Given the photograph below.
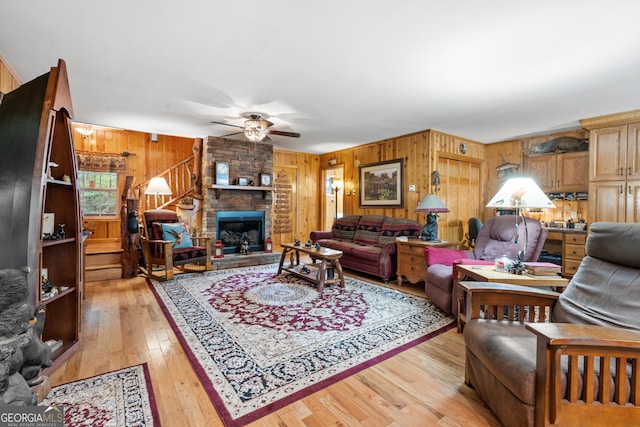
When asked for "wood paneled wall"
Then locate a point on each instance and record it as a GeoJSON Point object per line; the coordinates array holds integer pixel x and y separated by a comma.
{"type": "Point", "coordinates": [420, 151]}
{"type": "Point", "coordinates": [9, 79]}
{"type": "Point", "coordinates": [145, 159]}
{"type": "Point", "coordinates": [306, 192]}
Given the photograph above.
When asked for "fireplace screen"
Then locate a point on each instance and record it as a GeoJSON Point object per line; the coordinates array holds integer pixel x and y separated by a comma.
{"type": "Point", "coordinates": [235, 227]}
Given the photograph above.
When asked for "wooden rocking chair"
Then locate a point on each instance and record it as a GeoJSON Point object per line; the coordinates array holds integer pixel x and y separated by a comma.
{"type": "Point", "coordinates": [170, 246]}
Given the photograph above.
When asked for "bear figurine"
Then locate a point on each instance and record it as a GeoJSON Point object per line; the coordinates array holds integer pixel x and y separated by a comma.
{"type": "Point", "coordinates": [22, 353]}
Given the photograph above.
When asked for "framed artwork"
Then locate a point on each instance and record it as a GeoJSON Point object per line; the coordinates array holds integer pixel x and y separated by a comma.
{"type": "Point", "coordinates": [265, 180]}
{"type": "Point", "coordinates": [48, 220]}
{"type": "Point", "coordinates": [381, 184]}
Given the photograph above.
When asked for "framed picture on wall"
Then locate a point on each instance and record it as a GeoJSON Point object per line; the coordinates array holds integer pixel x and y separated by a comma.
{"type": "Point", "coordinates": [381, 184]}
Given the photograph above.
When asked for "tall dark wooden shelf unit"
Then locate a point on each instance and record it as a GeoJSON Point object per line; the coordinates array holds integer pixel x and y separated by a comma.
{"type": "Point", "coordinates": [35, 129]}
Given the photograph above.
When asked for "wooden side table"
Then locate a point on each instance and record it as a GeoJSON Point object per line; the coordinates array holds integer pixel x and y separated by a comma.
{"type": "Point", "coordinates": [411, 263]}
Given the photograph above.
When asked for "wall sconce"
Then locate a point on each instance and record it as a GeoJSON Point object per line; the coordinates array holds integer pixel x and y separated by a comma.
{"type": "Point", "coordinates": [85, 131]}
{"type": "Point", "coordinates": [435, 180]}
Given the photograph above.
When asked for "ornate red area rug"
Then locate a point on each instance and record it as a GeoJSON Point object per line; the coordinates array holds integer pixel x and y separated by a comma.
{"type": "Point", "coordinates": [259, 341]}
{"type": "Point", "coordinates": [120, 398]}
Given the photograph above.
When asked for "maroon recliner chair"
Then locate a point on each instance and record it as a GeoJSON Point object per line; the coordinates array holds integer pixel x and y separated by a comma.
{"type": "Point", "coordinates": [496, 238]}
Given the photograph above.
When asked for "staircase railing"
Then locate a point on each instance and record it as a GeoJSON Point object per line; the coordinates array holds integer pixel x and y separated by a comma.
{"type": "Point", "coordinates": [178, 177]}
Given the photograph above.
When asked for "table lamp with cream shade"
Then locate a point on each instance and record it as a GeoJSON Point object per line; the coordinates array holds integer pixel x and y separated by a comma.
{"type": "Point", "coordinates": [158, 186]}
{"type": "Point", "coordinates": [433, 206]}
{"type": "Point", "coordinates": [519, 194]}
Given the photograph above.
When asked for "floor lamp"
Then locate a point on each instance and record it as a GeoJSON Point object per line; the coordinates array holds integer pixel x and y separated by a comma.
{"type": "Point", "coordinates": [158, 186]}
{"type": "Point", "coordinates": [336, 186]}
{"type": "Point", "coordinates": [520, 194]}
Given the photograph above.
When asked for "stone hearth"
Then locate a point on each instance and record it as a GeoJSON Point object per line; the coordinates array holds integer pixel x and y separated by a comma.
{"type": "Point", "coordinates": [238, 260]}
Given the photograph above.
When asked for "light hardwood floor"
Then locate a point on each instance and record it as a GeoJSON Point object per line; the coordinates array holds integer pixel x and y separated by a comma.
{"type": "Point", "coordinates": [423, 386]}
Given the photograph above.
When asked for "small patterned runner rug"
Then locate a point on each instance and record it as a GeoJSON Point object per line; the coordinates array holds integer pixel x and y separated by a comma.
{"type": "Point", "coordinates": [122, 398]}
{"type": "Point", "coordinates": [259, 341]}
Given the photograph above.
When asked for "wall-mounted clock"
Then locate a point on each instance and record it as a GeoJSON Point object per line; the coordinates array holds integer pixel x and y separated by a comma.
{"type": "Point", "coordinates": [222, 173]}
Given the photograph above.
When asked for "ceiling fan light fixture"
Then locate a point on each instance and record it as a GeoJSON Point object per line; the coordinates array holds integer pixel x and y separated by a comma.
{"type": "Point", "coordinates": [255, 135]}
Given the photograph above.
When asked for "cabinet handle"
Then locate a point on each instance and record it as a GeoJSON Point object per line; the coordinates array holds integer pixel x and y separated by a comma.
{"type": "Point", "coordinates": [629, 173]}
{"type": "Point", "coordinates": [621, 189]}
{"type": "Point", "coordinates": [558, 186]}
{"type": "Point", "coordinates": [621, 171]}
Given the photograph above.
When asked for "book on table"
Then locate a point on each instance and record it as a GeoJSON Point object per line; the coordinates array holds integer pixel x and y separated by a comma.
{"type": "Point", "coordinates": [542, 268]}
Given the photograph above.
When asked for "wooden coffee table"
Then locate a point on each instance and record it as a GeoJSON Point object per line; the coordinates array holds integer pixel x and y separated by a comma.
{"type": "Point", "coordinates": [316, 274]}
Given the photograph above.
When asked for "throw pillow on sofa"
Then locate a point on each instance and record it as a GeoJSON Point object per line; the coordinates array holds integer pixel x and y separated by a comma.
{"type": "Point", "coordinates": [368, 229]}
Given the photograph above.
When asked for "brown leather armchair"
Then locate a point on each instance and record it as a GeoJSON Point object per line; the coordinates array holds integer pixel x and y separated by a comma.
{"type": "Point", "coordinates": [538, 358]}
{"type": "Point", "coordinates": [168, 246]}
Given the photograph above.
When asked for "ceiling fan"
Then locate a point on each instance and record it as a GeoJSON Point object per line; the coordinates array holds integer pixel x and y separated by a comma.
{"type": "Point", "coordinates": [257, 128]}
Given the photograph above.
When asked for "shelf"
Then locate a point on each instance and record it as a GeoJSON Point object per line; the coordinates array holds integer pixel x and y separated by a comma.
{"type": "Point", "coordinates": [53, 242]}
{"type": "Point", "coordinates": [59, 295]}
{"type": "Point", "coordinates": [59, 182]}
{"type": "Point", "coordinates": [218, 188]}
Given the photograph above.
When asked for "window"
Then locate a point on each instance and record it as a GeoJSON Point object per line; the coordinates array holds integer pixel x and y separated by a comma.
{"type": "Point", "coordinates": [98, 193]}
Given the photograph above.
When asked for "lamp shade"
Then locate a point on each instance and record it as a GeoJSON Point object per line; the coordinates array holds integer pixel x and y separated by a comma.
{"type": "Point", "coordinates": [158, 186]}
{"type": "Point", "coordinates": [336, 183]}
{"type": "Point", "coordinates": [431, 203]}
{"type": "Point", "coordinates": [520, 193]}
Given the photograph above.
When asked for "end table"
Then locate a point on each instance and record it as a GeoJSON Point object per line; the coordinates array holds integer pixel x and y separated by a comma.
{"type": "Point", "coordinates": [411, 263]}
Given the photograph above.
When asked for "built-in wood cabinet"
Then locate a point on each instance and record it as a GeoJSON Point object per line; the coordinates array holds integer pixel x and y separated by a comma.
{"type": "Point", "coordinates": [615, 152]}
{"type": "Point", "coordinates": [614, 168]}
{"type": "Point", "coordinates": [559, 172]}
{"type": "Point", "coordinates": [40, 177]}
{"type": "Point", "coordinates": [614, 201]}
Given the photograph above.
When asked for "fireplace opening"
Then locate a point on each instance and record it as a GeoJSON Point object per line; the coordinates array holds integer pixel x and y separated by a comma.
{"type": "Point", "coordinates": [234, 227]}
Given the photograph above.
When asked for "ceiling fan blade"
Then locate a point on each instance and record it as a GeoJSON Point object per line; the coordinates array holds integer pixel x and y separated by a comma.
{"type": "Point", "coordinates": [231, 134]}
{"type": "Point", "coordinates": [227, 124]}
{"type": "Point", "coordinates": [283, 133]}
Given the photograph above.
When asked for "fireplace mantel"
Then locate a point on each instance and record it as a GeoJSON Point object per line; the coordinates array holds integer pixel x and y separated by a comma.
{"type": "Point", "coordinates": [218, 188]}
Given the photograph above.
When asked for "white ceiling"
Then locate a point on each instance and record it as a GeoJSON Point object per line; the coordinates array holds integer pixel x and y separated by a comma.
{"type": "Point", "coordinates": [341, 73]}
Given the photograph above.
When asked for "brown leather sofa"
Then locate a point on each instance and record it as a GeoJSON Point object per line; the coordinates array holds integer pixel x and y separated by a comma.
{"type": "Point", "coordinates": [368, 242]}
{"type": "Point", "coordinates": [578, 365]}
{"type": "Point", "coordinates": [496, 238]}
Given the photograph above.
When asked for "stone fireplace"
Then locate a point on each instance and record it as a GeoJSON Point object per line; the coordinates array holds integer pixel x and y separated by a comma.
{"type": "Point", "coordinates": [246, 160]}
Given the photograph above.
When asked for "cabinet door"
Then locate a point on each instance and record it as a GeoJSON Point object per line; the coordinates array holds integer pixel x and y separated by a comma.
{"type": "Point", "coordinates": [607, 200]}
{"type": "Point", "coordinates": [633, 201]}
{"type": "Point", "coordinates": [543, 171]}
{"type": "Point", "coordinates": [608, 148]}
{"type": "Point", "coordinates": [572, 171]}
{"type": "Point", "coordinates": [633, 151]}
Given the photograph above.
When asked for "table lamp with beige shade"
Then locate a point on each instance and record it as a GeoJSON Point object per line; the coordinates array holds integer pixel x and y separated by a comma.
{"type": "Point", "coordinates": [519, 194]}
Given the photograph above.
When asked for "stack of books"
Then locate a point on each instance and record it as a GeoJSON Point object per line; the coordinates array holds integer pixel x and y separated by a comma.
{"type": "Point", "coordinates": [542, 269]}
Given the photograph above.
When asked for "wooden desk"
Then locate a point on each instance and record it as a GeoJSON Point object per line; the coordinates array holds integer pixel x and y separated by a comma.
{"type": "Point", "coordinates": [488, 273]}
{"type": "Point", "coordinates": [411, 262]}
{"type": "Point", "coordinates": [317, 275]}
